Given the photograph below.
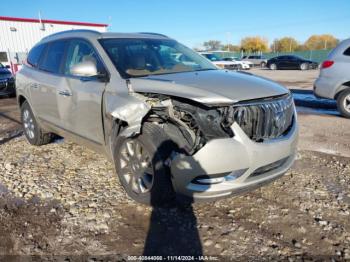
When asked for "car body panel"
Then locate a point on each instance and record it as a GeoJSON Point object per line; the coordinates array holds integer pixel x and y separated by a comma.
{"type": "Point", "coordinates": [96, 113]}
{"type": "Point", "coordinates": [239, 158]}
{"type": "Point", "coordinates": [210, 87]}
{"type": "Point", "coordinates": [255, 59]}
{"type": "Point", "coordinates": [334, 79]}
{"type": "Point", "coordinates": [7, 82]}
{"type": "Point", "coordinates": [290, 62]}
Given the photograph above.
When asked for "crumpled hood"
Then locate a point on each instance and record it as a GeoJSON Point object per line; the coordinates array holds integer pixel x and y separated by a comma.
{"type": "Point", "coordinates": [209, 87]}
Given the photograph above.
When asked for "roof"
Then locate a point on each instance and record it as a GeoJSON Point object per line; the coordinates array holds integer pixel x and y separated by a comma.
{"type": "Point", "coordinates": [92, 34]}
{"type": "Point", "coordinates": [46, 21]}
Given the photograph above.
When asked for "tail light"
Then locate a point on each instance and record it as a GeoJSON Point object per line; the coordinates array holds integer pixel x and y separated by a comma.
{"type": "Point", "coordinates": [327, 64]}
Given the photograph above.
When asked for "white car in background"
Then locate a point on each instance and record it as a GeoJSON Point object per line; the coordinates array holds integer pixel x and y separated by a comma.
{"type": "Point", "coordinates": [246, 65]}
{"type": "Point", "coordinates": [219, 62]}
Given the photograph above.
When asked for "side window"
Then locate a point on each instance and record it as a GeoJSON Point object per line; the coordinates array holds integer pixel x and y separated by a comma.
{"type": "Point", "coordinates": [347, 52]}
{"type": "Point", "coordinates": [35, 54]}
{"type": "Point", "coordinates": [52, 60]}
{"type": "Point", "coordinates": [80, 51]}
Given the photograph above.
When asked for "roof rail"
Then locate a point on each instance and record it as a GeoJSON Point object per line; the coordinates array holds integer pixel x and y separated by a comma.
{"type": "Point", "coordinates": [150, 33]}
{"type": "Point", "coordinates": [73, 30]}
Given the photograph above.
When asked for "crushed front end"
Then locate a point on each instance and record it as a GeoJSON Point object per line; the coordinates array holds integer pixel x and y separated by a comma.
{"type": "Point", "coordinates": [247, 145]}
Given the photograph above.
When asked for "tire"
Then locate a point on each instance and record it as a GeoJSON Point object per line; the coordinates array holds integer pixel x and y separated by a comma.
{"type": "Point", "coordinates": [304, 66]}
{"type": "Point", "coordinates": [239, 67]}
{"type": "Point", "coordinates": [154, 148]}
{"type": "Point", "coordinates": [34, 133]}
{"type": "Point", "coordinates": [273, 66]}
{"type": "Point", "coordinates": [263, 64]}
{"type": "Point", "coordinates": [343, 103]}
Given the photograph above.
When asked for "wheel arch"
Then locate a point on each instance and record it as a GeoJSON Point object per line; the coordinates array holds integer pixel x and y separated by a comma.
{"type": "Point", "coordinates": [21, 99]}
{"type": "Point", "coordinates": [341, 88]}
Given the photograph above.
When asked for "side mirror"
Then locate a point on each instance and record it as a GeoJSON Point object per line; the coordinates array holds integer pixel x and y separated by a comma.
{"type": "Point", "coordinates": [8, 67]}
{"type": "Point", "coordinates": [84, 69]}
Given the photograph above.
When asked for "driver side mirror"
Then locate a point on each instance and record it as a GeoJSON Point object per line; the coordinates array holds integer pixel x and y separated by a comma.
{"type": "Point", "coordinates": [84, 69]}
{"type": "Point", "coordinates": [87, 69]}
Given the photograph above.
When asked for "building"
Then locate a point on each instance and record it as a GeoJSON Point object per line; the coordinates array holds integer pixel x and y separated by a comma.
{"type": "Point", "coordinates": [19, 35]}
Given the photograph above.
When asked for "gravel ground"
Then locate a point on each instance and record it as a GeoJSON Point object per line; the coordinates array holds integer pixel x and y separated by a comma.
{"type": "Point", "coordinates": [63, 202]}
{"type": "Point", "coordinates": [64, 199]}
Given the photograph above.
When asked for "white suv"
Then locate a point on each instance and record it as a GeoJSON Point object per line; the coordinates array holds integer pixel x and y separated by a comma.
{"type": "Point", "coordinates": [334, 79]}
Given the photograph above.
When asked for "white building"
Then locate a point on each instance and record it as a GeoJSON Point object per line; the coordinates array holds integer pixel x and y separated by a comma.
{"type": "Point", "coordinates": [18, 35]}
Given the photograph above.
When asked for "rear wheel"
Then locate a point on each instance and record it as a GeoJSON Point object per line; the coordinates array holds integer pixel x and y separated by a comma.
{"type": "Point", "coordinates": [273, 66]}
{"type": "Point", "coordinates": [263, 64]}
{"type": "Point", "coordinates": [141, 166]}
{"type": "Point", "coordinates": [343, 102]}
{"type": "Point", "coordinates": [33, 132]}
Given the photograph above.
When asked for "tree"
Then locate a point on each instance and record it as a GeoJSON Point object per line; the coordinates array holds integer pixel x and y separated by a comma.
{"type": "Point", "coordinates": [284, 44]}
{"type": "Point", "coordinates": [230, 47]}
{"type": "Point", "coordinates": [212, 45]}
{"type": "Point", "coordinates": [254, 44]}
{"type": "Point", "coordinates": [317, 42]}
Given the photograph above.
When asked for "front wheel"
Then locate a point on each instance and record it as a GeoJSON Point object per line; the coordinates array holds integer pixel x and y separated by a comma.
{"type": "Point", "coordinates": [33, 132]}
{"type": "Point", "coordinates": [263, 64]}
{"type": "Point", "coordinates": [140, 164]}
{"type": "Point", "coordinates": [304, 66]}
{"type": "Point", "coordinates": [273, 66]}
{"type": "Point", "coordinates": [343, 102]}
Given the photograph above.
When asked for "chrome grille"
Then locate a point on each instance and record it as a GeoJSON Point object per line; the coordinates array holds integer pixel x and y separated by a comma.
{"type": "Point", "coordinates": [265, 119]}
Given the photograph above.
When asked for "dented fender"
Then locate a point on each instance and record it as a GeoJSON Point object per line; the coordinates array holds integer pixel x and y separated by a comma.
{"type": "Point", "coordinates": [129, 108]}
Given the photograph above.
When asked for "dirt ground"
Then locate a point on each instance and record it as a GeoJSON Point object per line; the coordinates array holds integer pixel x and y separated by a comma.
{"type": "Point", "coordinates": [63, 202]}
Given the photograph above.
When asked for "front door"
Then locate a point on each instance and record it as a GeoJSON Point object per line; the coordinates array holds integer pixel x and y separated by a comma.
{"type": "Point", "coordinates": [80, 100]}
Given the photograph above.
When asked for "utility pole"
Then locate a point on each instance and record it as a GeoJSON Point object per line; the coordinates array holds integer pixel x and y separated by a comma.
{"type": "Point", "coordinates": [228, 36]}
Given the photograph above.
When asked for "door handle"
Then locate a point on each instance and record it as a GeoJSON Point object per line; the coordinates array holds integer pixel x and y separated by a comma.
{"type": "Point", "coordinates": [34, 85]}
{"type": "Point", "coordinates": [64, 93]}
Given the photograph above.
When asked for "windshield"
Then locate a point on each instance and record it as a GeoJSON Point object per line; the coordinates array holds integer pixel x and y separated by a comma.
{"type": "Point", "coordinates": [144, 57]}
{"type": "Point", "coordinates": [212, 57]}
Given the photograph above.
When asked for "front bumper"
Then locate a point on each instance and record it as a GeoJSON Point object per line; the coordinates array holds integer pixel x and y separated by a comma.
{"type": "Point", "coordinates": [241, 164]}
{"type": "Point", "coordinates": [324, 87]}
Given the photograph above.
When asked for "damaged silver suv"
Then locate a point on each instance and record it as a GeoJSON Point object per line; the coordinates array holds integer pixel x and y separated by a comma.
{"type": "Point", "coordinates": [171, 121]}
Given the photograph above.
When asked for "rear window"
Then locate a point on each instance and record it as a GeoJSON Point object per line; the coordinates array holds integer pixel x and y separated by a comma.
{"type": "Point", "coordinates": [52, 60]}
{"type": "Point", "coordinates": [35, 54]}
{"type": "Point", "coordinates": [347, 52]}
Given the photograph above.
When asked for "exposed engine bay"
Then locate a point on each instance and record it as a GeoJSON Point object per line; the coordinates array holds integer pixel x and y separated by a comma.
{"type": "Point", "coordinates": [188, 123]}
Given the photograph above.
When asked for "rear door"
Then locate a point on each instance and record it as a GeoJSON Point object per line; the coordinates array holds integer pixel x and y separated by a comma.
{"type": "Point", "coordinates": [46, 80]}
{"type": "Point", "coordinates": [282, 62]}
{"type": "Point", "coordinates": [294, 62]}
{"type": "Point", "coordinates": [80, 99]}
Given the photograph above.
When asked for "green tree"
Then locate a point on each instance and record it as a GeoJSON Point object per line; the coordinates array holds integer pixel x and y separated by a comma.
{"type": "Point", "coordinates": [254, 44]}
{"type": "Point", "coordinates": [212, 45]}
{"type": "Point", "coordinates": [284, 44]}
{"type": "Point", "coordinates": [318, 42]}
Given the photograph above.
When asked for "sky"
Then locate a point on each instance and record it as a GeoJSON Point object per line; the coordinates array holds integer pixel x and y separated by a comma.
{"type": "Point", "coordinates": [192, 22]}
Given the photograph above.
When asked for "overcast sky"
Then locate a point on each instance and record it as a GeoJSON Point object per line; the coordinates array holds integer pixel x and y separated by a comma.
{"type": "Point", "coordinates": [192, 22]}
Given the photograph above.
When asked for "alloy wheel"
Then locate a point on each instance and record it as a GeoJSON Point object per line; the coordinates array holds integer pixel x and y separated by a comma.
{"type": "Point", "coordinates": [346, 103]}
{"type": "Point", "coordinates": [136, 166]}
{"type": "Point", "coordinates": [28, 123]}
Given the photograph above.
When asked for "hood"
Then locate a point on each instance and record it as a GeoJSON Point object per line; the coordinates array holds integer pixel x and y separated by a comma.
{"type": "Point", "coordinates": [210, 87]}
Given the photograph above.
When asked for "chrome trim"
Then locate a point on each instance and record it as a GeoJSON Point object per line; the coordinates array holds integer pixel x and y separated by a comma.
{"type": "Point", "coordinates": [265, 119]}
